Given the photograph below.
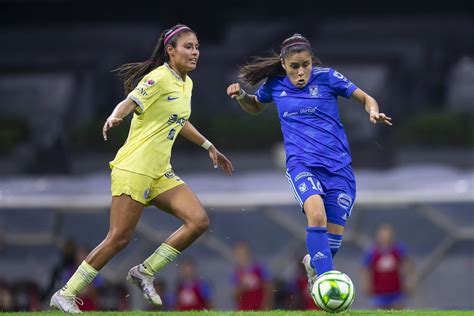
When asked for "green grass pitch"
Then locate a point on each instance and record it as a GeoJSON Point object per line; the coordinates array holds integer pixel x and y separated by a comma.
{"type": "Point", "coordinates": [270, 313]}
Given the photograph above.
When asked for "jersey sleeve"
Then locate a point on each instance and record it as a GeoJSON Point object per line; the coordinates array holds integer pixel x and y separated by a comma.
{"type": "Point", "coordinates": [145, 93]}
{"type": "Point", "coordinates": [340, 84]}
{"type": "Point", "coordinates": [264, 93]}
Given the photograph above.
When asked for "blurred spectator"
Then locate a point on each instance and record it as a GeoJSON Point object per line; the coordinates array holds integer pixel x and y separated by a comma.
{"type": "Point", "coordinates": [68, 262]}
{"type": "Point", "coordinates": [26, 295]}
{"type": "Point", "coordinates": [251, 281]}
{"type": "Point", "coordinates": [7, 303]}
{"type": "Point", "coordinates": [192, 292]}
{"type": "Point", "coordinates": [302, 297]}
{"type": "Point", "coordinates": [114, 297]}
{"type": "Point", "coordinates": [283, 295]}
{"type": "Point", "coordinates": [386, 269]}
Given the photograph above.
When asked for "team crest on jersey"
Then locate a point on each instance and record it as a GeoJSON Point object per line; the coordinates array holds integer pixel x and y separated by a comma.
{"type": "Point", "coordinates": [146, 193]}
{"type": "Point", "coordinates": [303, 187]}
{"type": "Point", "coordinates": [344, 200]}
{"type": "Point", "coordinates": [314, 91]}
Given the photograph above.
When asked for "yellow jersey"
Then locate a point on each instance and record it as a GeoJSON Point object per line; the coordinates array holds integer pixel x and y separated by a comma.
{"type": "Point", "coordinates": [163, 106]}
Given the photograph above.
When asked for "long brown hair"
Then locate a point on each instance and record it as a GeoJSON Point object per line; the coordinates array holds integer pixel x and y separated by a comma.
{"type": "Point", "coordinates": [265, 67]}
{"type": "Point", "coordinates": [132, 73]}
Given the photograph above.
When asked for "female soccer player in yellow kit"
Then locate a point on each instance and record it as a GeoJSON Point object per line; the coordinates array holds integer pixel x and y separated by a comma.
{"type": "Point", "coordinates": [159, 92]}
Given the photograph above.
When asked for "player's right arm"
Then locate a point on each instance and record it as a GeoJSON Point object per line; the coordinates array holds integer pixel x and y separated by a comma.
{"type": "Point", "coordinates": [248, 102]}
{"type": "Point", "coordinates": [121, 110]}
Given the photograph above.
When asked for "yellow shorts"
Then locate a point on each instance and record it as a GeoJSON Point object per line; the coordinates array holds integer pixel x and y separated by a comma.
{"type": "Point", "coordinates": [139, 187]}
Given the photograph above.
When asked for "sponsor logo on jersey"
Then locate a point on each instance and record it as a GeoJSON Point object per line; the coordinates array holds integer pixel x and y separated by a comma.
{"type": "Point", "coordinates": [172, 119]}
{"type": "Point", "coordinates": [149, 82]}
{"type": "Point", "coordinates": [303, 187]}
{"type": "Point", "coordinates": [285, 114]}
{"type": "Point", "coordinates": [175, 119]}
{"type": "Point", "coordinates": [314, 91]}
{"type": "Point", "coordinates": [169, 174]}
{"type": "Point", "coordinates": [171, 134]}
{"type": "Point", "coordinates": [303, 174]}
{"type": "Point", "coordinates": [141, 91]}
{"type": "Point", "coordinates": [283, 94]}
{"type": "Point", "coordinates": [308, 110]}
{"type": "Point", "coordinates": [170, 98]}
{"type": "Point", "coordinates": [344, 200]}
{"type": "Point", "coordinates": [181, 121]}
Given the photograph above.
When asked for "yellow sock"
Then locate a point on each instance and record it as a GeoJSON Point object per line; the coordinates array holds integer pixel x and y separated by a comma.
{"type": "Point", "coordinates": [82, 277]}
{"type": "Point", "coordinates": [159, 259]}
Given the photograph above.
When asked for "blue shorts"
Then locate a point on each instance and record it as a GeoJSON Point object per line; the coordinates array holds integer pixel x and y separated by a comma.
{"type": "Point", "coordinates": [337, 189]}
{"type": "Point", "coordinates": [387, 300]}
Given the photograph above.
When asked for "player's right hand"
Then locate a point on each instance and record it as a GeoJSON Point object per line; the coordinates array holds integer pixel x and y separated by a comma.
{"type": "Point", "coordinates": [111, 122]}
{"type": "Point", "coordinates": [234, 90]}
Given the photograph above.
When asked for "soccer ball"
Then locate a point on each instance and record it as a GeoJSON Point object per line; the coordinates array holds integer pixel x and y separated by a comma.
{"type": "Point", "coordinates": [333, 291]}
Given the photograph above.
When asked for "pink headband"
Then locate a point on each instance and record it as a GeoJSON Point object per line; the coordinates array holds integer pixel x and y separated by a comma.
{"type": "Point", "coordinates": [179, 29]}
{"type": "Point", "coordinates": [293, 44]}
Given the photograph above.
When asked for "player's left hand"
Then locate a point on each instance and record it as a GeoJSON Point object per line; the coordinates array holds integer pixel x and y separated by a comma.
{"type": "Point", "coordinates": [376, 117]}
{"type": "Point", "coordinates": [218, 159]}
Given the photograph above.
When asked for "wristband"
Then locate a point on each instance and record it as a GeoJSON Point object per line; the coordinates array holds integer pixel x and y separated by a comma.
{"type": "Point", "coordinates": [206, 145]}
{"type": "Point", "coordinates": [241, 94]}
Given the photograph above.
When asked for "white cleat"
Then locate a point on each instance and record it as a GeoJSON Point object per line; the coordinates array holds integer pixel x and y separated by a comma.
{"type": "Point", "coordinates": [145, 283]}
{"type": "Point", "coordinates": [310, 272]}
{"type": "Point", "coordinates": [66, 304]}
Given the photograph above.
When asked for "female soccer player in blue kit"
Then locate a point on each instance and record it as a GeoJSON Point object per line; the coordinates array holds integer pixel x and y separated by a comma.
{"type": "Point", "coordinates": [317, 152]}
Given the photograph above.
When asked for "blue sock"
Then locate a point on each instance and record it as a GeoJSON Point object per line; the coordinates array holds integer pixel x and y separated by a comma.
{"type": "Point", "coordinates": [335, 242]}
{"type": "Point", "coordinates": [318, 248]}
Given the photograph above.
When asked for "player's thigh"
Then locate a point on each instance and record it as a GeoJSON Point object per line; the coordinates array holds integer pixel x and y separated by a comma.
{"type": "Point", "coordinates": [129, 192]}
{"type": "Point", "coordinates": [309, 193]}
{"type": "Point", "coordinates": [181, 202]}
{"type": "Point", "coordinates": [125, 213]}
{"type": "Point", "coordinates": [135, 185]}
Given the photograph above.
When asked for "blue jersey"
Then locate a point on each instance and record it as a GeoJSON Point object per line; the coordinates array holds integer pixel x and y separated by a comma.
{"type": "Point", "coordinates": [312, 130]}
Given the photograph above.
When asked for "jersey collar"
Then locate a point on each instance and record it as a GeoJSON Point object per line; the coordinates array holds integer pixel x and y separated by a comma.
{"type": "Point", "coordinates": [174, 72]}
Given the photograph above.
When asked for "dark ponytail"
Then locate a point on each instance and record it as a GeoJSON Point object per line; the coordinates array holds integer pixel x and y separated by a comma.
{"type": "Point", "coordinates": [266, 67]}
{"type": "Point", "coordinates": [132, 73]}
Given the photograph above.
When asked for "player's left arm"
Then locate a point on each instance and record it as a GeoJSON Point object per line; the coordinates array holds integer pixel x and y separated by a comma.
{"type": "Point", "coordinates": [218, 159]}
{"type": "Point", "coordinates": [371, 106]}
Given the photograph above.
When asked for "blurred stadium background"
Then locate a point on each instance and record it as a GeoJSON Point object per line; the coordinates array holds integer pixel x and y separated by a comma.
{"type": "Point", "coordinates": [56, 89]}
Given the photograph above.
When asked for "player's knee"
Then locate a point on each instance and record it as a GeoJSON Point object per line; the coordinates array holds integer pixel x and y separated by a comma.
{"type": "Point", "coordinates": [317, 219]}
{"type": "Point", "coordinates": [203, 223]}
{"type": "Point", "coordinates": [200, 223]}
{"type": "Point", "coordinates": [119, 241]}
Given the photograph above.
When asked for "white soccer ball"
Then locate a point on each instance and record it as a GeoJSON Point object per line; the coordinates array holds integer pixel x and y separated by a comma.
{"type": "Point", "coordinates": [333, 291]}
